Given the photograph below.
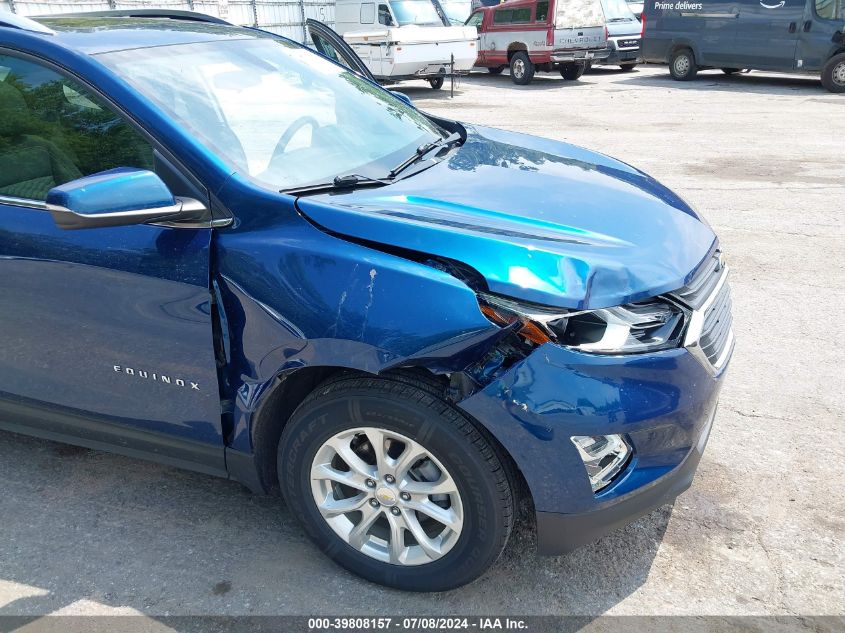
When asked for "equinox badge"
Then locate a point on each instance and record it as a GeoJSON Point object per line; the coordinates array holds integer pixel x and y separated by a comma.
{"type": "Point", "coordinates": [148, 375]}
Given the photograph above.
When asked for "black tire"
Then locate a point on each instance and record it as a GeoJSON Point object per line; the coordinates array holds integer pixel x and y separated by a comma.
{"type": "Point", "coordinates": [627, 67]}
{"type": "Point", "coordinates": [497, 70]}
{"type": "Point", "coordinates": [437, 83]}
{"type": "Point", "coordinates": [682, 65]}
{"type": "Point", "coordinates": [731, 71]}
{"type": "Point", "coordinates": [414, 409]}
{"type": "Point", "coordinates": [833, 73]}
{"type": "Point", "coordinates": [572, 71]}
{"type": "Point", "coordinates": [522, 69]}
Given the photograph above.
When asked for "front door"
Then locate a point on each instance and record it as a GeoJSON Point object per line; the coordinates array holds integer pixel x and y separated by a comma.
{"type": "Point", "coordinates": [330, 44]}
{"type": "Point", "coordinates": [822, 33]}
{"type": "Point", "coordinates": [767, 33]}
{"type": "Point", "coordinates": [107, 333]}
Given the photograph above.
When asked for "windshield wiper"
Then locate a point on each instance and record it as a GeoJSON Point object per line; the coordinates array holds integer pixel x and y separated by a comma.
{"type": "Point", "coordinates": [339, 183]}
{"type": "Point", "coordinates": [423, 150]}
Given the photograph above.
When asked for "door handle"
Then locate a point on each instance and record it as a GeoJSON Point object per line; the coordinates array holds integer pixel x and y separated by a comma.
{"type": "Point", "coordinates": [808, 25]}
{"type": "Point", "coordinates": [792, 27]}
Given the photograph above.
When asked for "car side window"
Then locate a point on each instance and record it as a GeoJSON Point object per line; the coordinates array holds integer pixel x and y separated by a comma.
{"type": "Point", "coordinates": [503, 16]}
{"type": "Point", "coordinates": [542, 12]}
{"type": "Point", "coordinates": [384, 16]}
{"type": "Point", "coordinates": [475, 19]}
{"type": "Point", "coordinates": [521, 16]}
{"type": "Point", "coordinates": [830, 9]}
{"type": "Point", "coordinates": [52, 131]}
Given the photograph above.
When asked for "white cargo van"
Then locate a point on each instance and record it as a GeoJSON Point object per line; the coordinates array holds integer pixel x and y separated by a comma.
{"type": "Point", "coordinates": [405, 39]}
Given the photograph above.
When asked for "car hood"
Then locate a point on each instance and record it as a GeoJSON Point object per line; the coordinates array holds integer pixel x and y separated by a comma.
{"type": "Point", "coordinates": [540, 220]}
{"type": "Point", "coordinates": [621, 29]}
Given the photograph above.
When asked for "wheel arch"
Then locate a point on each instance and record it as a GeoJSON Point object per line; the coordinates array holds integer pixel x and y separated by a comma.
{"type": "Point", "coordinates": [678, 44]}
{"type": "Point", "coordinates": [278, 403]}
{"type": "Point", "coordinates": [515, 47]}
{"type": "Point", "coordinates": [291, 388]}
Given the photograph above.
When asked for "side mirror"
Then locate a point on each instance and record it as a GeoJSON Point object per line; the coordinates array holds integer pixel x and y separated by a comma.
{"type": "Point", "coordinates": [402, 97]}
{"type": "Point", "coordinates": [119, 197]}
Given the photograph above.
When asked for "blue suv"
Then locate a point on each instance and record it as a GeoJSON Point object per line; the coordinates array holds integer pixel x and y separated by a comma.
{"type": "Point", "coordinates": [225, 252]}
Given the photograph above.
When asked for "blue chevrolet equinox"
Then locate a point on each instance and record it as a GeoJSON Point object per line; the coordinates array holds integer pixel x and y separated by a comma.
{"type": "Point", "coordinates": [225, 252]}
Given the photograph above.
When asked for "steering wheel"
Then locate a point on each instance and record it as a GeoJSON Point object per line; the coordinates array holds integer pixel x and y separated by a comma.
{"type": "Point", "coordinates": [293, 128]}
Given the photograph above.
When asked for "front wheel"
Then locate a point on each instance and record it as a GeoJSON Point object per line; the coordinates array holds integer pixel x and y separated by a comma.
{"type": "Point", "coordinates": [522, 69]}
{"type": "Point", "coordinates": [572, 71]}
{"type": "Point", "coordinates": [682, 65]}
{"type": "Point", "coordinates": [833, 73]}
{"type": "Point", "coordinates": [436, 83]}
{"type": "Point", "coordinates": [395, 484]}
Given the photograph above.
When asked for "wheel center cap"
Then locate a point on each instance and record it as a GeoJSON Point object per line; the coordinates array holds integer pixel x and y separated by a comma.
{"type": "Point", "coordinates": [386, 497]}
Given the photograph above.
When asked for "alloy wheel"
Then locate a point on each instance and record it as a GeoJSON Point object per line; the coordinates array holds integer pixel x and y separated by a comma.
{"type": "Point", "coordinates": [519, 69]}
{"type": "Point", "coordinates": [386, 496]}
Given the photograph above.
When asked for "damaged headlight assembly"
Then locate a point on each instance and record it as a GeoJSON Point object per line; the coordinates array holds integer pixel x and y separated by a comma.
{"type": "Point", "coordinates": [640, 327]}
{"type": "Point", "coordinates": [646, 326]}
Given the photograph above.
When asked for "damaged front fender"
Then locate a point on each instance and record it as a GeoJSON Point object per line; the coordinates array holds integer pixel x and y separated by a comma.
{"type": "Point", "coordinates": [296, 297]}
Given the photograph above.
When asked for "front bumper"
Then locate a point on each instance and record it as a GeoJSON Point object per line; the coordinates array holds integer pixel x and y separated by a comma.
{"type": "Point", "coordinates": [663, 403]}
{"type": "Point", "coordinates": [618, 57]}
{"type": "Point", "coordinates": [561, 533]}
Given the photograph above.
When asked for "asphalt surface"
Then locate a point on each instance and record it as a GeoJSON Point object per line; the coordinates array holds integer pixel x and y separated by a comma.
{"type": "Point", "coordinates": [760, 532]}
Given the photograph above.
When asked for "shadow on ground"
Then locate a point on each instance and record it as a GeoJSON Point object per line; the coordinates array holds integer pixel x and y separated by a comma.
{"type": "Point", "coordinates": [83, 530]}
{"type": "Point", "coordinates": [709, 80]}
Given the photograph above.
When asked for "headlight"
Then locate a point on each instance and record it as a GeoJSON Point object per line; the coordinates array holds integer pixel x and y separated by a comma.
{"type": "Point", "coordinates": [636, 327]}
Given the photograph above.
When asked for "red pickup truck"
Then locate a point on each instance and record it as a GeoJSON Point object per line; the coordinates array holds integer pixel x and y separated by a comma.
{"type": "Point", "coordinates": [546, 35]}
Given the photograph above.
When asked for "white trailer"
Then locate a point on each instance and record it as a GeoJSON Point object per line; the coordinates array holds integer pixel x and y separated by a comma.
{"type": "Point", "coordinates": [405, 39]}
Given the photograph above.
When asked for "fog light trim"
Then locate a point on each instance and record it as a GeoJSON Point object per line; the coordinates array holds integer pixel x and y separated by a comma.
{"type": "Point", "coordinates": [604, 457]}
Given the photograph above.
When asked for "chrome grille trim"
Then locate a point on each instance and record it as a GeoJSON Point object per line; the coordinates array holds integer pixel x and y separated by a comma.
{"type": "Point", "coordinates": [709, 332]}
{"type": "Point", "coordinates": [702, 285]}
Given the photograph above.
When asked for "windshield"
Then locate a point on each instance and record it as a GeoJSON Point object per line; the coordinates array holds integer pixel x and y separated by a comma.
{"type": "Point", "coordinates": [457, 10]}
{"type": "Point", "coordinates": [280, 113]}
{"type": "Point", "coordinates": [420, 12]}
{"type": "Point", "coordinates": [618, 10]}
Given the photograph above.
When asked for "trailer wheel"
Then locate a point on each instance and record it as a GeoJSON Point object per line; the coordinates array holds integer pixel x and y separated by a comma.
{"type": "Point", "coordinates": [436, 83]}
{"type": "Point", "coordinates": [833, 73]}
{"type": "Point", "coordinates": [682, 65]}
{"type": "Point", "coordinates": [496, 70]}
{"type": "Point", "coordinates": [522, 69]}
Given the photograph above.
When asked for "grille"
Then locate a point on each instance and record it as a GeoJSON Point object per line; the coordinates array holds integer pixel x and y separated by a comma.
{"type": "Point", "coordinates": [716, 332]}
{"type": "Point", "coordinates": [697, 291]}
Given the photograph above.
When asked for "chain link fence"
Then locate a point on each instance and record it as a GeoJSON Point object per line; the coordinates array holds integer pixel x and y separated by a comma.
{"type": "Point", "coordinates": [284, 17]}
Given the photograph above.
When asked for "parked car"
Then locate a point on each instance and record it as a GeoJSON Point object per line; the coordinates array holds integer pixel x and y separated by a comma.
{"type": "Point", "coordinates": [545, 35]}
{"type": "Point", "coordinates": [624, 35]}
{"type": "Point", "coordinates": [222, 251]}
{"type": "Point", "coordinates": [806, 36]}
{"type": "Point", "coordinates": [405, 39]}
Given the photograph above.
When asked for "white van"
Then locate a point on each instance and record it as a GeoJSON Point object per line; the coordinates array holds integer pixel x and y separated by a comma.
{"type": "Point", "coordinates": [405, 39]}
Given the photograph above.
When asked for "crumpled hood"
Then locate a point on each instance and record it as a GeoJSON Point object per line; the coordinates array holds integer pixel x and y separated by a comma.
{"type": "Point", "coordinates": [540, 220]}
